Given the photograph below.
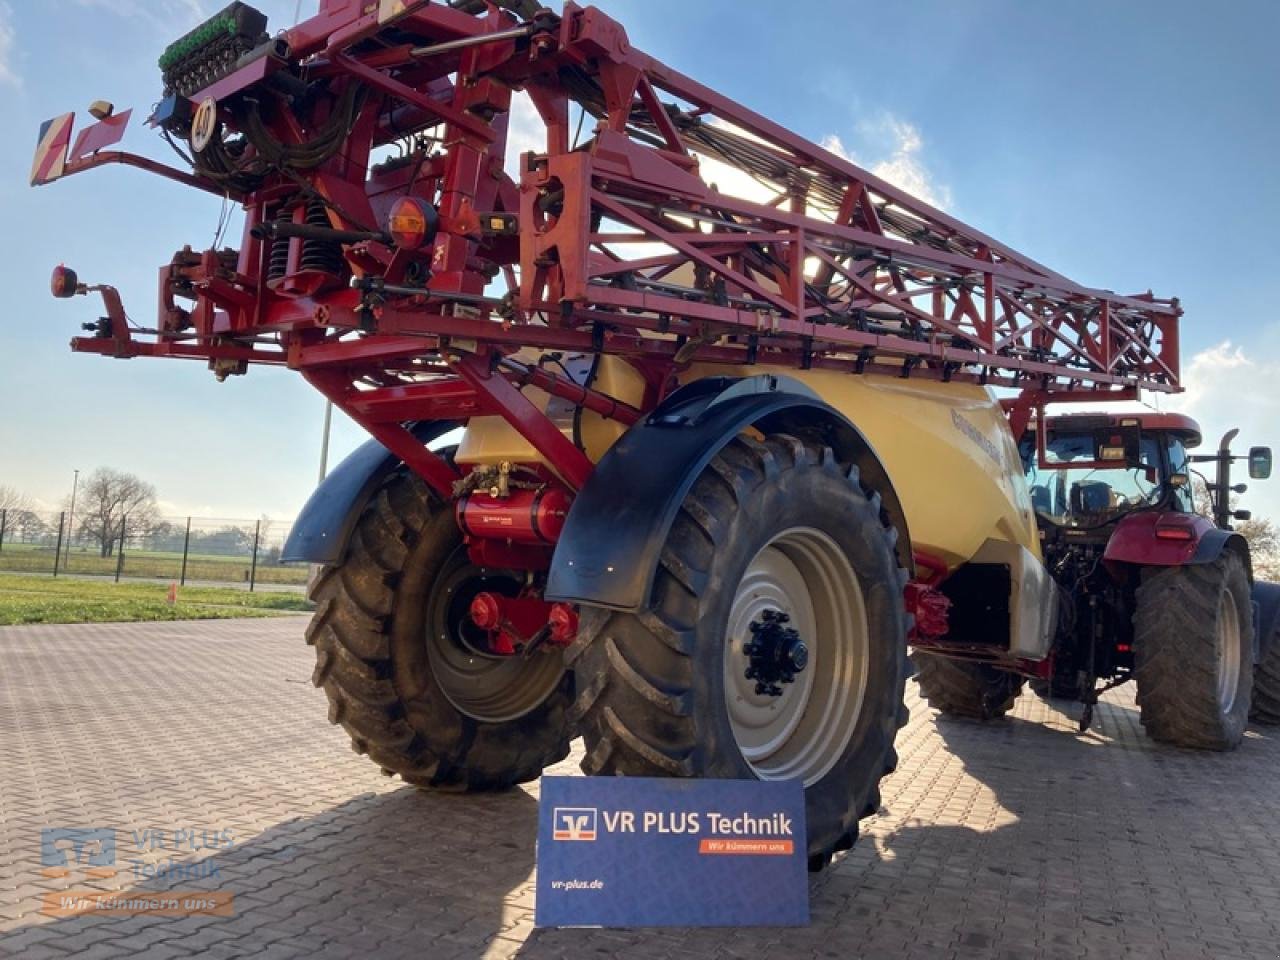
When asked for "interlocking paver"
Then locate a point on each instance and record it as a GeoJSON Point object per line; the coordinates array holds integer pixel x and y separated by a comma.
{"type": "Point", "coordinates": [1016, 840]}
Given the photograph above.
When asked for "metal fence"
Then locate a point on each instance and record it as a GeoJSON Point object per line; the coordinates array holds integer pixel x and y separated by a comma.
{"type": "Point", "coordinates": [178, 549]}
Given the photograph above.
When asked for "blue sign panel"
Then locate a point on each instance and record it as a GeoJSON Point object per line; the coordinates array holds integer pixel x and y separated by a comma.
{"type": "Point", "coordinates": [633, 852]}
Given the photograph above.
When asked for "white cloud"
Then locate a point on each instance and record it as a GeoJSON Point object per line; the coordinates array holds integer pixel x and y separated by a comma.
{"type": "Point", "coordinates": [8, 48]}
{"type": "Point", "coordinates": [1228, 386]}
{"type": "Point", "coordinates": [903, 166]}
{"type": "Point", "coordinates": [525, 132]}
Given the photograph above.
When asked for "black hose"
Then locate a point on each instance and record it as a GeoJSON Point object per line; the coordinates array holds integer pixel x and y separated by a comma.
{"type": "Point", "coordinates": [577, 412]}
{"type": "Point", "coordinates": [327, 141]}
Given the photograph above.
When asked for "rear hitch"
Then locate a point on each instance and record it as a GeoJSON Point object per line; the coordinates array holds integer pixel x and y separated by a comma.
{"type": "Point", "coordinates": [1091, 698]}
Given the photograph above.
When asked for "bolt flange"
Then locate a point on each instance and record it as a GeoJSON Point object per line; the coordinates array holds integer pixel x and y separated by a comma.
{"type": "Point", "coordinates": [775, 653]}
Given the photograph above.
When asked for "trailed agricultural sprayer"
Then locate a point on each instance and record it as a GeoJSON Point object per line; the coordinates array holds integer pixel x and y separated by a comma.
{"type": "Point", "coordinates": [722, 452]}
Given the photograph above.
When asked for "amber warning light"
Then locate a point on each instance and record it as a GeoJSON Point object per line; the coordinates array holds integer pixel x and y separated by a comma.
{"type": "Point", "coordinates": [64, 282]}
{"type": "Point", "coordinates": [412, 223]}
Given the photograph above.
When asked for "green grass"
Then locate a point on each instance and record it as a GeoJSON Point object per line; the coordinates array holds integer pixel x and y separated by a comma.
{"type": "Point", "coordinates": [149, 564]}
{"type": "Point", "coordinates": [72, 600]}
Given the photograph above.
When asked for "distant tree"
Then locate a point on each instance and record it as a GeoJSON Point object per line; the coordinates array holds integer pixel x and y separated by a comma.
{"type": "Point", "coordinates": [1259, 532]}
{"type": "Point", "coordinates": [12, 499]}
{"type": "Point", "coordinates": [227, 540]}
{"type": "Point", "coordinates": [112, 498]}
{"type": "Point", "coordinates": [164, 535]}
{"type": "Point", "coordinates": [240, 538]}
{"type": "Point", "coordinates": [28, 525]}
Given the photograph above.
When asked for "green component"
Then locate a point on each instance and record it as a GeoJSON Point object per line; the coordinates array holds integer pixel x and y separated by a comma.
{"type": "Point", "coordinates": [180, 49]}
{"type": "Point", "coordinates": [238, 19]}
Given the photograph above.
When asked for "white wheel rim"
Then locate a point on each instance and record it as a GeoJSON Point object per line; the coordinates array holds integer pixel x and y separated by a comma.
{"type": "Point", "coordinates": [1228, 652]}
{"type": "Point", "coordinates": [802, 733]}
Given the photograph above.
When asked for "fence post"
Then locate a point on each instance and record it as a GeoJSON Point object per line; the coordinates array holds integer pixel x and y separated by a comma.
{"type": "Point", "coordinates": [186, 545]}
{"type": "Point", "coordinates": [120, 552]}
{"type": "Point", "coordinates": [4, 518]}
{"type": "Point", "coordinates": [253, 567]}
{"type": "Point", "coordinates": [57, 551]}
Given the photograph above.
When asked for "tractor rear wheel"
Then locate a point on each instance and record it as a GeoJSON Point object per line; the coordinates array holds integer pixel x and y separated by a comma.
{"type": "Point", "coordinates": [392, 654]}
{"type": "Point", "coordinates": [1266, 687]}
{"type": "Point", "coordinates": [773, 646]}
{"type": "Point", "coordinates": [1193, 653]}
{"type": "Point", "coordinates": [960, 688]}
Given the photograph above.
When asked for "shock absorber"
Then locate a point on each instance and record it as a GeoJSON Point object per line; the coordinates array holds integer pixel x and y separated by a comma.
{"type": "Point", "coordinates": [322, 256]}
{"type": "Point", "coordinates": [278, 265]}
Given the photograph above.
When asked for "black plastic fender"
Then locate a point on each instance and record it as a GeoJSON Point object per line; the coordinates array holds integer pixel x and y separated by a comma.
{"type": "Point", "coordinates": [1211, 545]}
{"type": "Point", "coordinates": [1266, 608]}
{"type": "Point", "coordinates": [322, 529]}
{"type": "Point", "coordinates": [608, 552]}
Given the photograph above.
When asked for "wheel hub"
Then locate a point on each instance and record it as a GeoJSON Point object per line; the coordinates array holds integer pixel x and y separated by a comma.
{"type": "Point", "coordinates": [775, 653]}
{"type": "Point", "coordinates": [488, 684]}
{"type": "Point", "coordinates": [796, 728]}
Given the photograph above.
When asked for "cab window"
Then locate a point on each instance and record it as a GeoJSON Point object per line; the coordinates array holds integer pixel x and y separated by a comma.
{"type": "Point", "coordinates": [1178, 463]}
{"type": "Point", "coordinates": [1074, 495]}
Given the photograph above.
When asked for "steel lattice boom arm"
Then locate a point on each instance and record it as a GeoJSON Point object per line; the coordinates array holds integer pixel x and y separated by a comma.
{"type": "Point", "coordinates": [381, 277]}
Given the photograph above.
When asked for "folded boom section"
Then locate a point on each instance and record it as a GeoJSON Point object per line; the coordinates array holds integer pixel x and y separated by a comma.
{"type": "Point", "coordinates": [390, 258]}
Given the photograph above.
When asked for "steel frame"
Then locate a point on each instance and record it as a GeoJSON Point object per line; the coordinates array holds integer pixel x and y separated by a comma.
{"type": "Point", "coordinates": [620, 245]}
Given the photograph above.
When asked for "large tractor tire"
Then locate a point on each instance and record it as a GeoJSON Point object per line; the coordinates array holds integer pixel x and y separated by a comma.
{"type": "Point", "coordinates": [691, 686]}
{"type": "Point", "coordinates": [958, 688]}
{"type": "Point", "coordinates": [404, 676]}
{"type": "Point", "coordinates": [1266, 687]}
{"type": "Point", "coordinates": [1193, 653]}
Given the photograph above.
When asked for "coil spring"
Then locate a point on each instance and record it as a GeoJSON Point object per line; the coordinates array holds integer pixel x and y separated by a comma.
{"type": "Point", "coordinates": [278, 265]}
{"type": "Point", "coordinates": [322, 255]}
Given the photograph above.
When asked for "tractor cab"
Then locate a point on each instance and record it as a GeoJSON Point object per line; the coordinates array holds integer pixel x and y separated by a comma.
{"type": "Point", "coordinates": [1085, 470]}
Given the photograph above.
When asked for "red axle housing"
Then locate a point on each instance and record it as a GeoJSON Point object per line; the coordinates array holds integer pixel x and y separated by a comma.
{"type": "Point", "coordinates": [513, 622]}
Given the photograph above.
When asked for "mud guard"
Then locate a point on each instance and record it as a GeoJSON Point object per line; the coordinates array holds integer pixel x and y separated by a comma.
{"type": "Point", "coordinates": [1137, 540]}
{"type": "Point", "coordinates": [322, 529]}
{"type": "Point", "coordinates": [1266, 608]}
{"type": "Point", "coordinates": [608, 552]}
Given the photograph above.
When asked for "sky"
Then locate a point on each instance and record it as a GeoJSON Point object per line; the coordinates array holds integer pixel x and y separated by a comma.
{"type": "Point", "coordinates": [1129, 146]}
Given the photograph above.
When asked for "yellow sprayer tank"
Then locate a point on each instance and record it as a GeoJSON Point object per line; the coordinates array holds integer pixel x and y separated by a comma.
{"type": "Point", "coordinates": [950, 456]}
{"type": "Point", "coordinates": [946, 447]}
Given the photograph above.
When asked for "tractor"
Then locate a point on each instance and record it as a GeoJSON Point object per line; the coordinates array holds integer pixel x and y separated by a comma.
{"type": "Point", "coordinates": [1149, 589]}
{"type": "Point", "coordinates": [682, 427]}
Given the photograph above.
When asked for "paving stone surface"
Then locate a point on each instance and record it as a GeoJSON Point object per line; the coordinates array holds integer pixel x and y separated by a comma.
{"type": "Point", "coordinates": [1013, 840]}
